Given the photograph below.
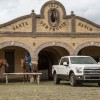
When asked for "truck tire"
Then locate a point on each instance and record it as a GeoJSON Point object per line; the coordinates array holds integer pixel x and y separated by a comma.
{"type": "Point", "coordinates": [98, 84]}
{"type": "Point", "coordinates": [73, 82]}
{"type": "Point", "coordinates": [56, 79]}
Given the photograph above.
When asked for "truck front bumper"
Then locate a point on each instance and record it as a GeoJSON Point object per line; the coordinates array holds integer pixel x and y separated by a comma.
{"type": "Point", "coordinates": [88, 78]}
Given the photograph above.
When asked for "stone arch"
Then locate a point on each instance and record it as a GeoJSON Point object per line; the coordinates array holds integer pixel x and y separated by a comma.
{"type": "Point", "coordinates": [16, 43]}
{"type": "Point", "coordinates": [48, 44]}
{"type": "Point", "coordinates": [52, 2]}
{"type": "Point", "coordinates": [85, 45]}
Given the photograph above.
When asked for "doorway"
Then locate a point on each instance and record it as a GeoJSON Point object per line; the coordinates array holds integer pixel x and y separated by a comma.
{"type": "Point", "coordinates": [50, 56]}
{"type": "Point", "coordinates": [9, 56]}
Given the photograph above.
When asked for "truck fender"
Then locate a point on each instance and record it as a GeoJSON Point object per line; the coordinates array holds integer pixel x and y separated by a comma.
{"type": "Point", "coordinates": [71, 71]}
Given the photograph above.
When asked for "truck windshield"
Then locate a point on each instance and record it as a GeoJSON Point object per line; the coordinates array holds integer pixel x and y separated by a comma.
{"type": "Point", "coordinates": [82, 60]}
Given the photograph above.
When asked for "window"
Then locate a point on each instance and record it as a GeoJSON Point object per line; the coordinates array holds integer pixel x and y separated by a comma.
{"type": "Point", "coordinates": [82, 60]}
{"type": "Point", "coordinates": [64, 60]}
{"type": "Point", "coordinates": [53, 17]}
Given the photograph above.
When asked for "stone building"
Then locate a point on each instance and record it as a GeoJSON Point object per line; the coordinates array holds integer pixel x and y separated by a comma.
{"type": "Point", "coordinates": [48, 37]}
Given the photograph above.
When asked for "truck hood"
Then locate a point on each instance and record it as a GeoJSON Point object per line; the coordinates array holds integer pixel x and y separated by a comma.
{"type": "Point", "coordinates": [87, 65]}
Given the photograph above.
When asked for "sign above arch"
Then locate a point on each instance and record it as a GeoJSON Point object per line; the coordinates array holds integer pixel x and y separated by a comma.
{"type": "Point", "coordinates": [53, 5]}
{"type": "Point", "coordinates": [53, 18]}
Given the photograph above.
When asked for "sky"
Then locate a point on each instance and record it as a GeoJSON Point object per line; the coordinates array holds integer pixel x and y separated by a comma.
{"type": "Point", "coordinates": [11, 9]}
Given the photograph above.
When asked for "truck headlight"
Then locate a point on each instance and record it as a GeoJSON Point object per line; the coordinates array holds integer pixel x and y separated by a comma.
{"type": "Point", "coordinates": [78, 69]}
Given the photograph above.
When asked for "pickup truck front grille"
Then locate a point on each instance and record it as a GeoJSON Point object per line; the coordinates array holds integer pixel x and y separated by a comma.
{"type": "Point", "coordinates": [92, 73]}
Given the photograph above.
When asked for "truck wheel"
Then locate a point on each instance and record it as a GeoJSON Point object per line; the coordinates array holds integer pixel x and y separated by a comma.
{"type": "Point", "coordinates": [56, 79]}
{"type": "Point", "coordinates": [73, 82]}
{"type": "Point", "coordinates": [98, 84]}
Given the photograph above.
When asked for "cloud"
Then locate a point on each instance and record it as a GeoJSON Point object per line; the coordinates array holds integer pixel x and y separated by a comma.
{"type": "Point", "coordinates": [88, 9]}
{"type": "Point", "coordinates": [11, 9]}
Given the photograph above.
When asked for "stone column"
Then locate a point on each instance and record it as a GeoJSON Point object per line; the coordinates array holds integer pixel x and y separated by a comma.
{"type": "Point", "coordinates": [73, 22]}
{"type": "Point", "coordinates": [35, 64]}
{"type": "Point", "coordinates": [33, 21]}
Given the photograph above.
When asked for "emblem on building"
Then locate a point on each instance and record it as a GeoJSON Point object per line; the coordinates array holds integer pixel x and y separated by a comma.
{"type": "Point", "coordinates": [53, 17]}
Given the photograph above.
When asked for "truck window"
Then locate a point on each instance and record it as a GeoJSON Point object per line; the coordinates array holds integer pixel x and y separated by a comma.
{"type": "Point", "coordinates": [64, 60]}
{"type": "Point", "coordinates": [82, 60]}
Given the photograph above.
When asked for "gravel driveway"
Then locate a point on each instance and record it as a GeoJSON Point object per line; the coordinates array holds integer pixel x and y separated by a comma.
{"type": "Point", "coordinates": [47, 90]}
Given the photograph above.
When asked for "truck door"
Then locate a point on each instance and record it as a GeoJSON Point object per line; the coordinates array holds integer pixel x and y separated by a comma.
{"type": "Point", "coordinates": [64, 69]}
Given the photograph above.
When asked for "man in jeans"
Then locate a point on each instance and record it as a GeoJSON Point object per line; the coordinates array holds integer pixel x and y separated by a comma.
{"type": "Point", "coordinates": [28, 60]}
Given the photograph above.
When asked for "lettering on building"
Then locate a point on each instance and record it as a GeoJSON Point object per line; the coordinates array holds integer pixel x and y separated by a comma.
{"type": "Point", "coordinates": [52, 5]}
{"type": "Point", "coordinates": [85, 26]}
{"type": "Point", "coordinates": [49, 28]}
{"type": "Point", "coordinates": [24, 24]}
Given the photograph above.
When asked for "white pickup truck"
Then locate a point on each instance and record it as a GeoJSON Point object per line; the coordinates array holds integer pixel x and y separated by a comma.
{"type": "Point", "coordinates": [77, 69]}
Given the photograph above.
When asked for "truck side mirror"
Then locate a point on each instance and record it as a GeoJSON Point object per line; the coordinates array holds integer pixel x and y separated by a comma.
{"type": "Point", "coordinates": [98, 62]}
{"type": "Point", "coordinates": [65, 63]}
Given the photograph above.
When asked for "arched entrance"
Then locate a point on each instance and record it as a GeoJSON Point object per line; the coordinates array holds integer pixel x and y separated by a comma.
{"type": "Point", "coordinates": [93, 51]}
{"type": "Point", "coordinates": [13, 54]}
{"type": "Point", "coordinates": [13, 51]}
{"type": "Point", "coordinates": [89, 48]}
{"type": "Point", "coordinates": [50, 56]}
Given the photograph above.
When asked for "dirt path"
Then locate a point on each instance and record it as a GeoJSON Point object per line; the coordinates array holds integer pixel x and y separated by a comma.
{"type": "Point", "coordinates": [48, 91]}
